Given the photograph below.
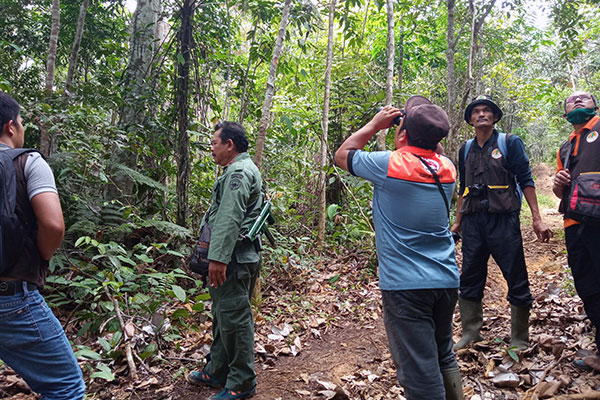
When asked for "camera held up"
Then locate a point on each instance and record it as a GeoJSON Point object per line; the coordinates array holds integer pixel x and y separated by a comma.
{"type": "Point", "coordinates": [395, 121]}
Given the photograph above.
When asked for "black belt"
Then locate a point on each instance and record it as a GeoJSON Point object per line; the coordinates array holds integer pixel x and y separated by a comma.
{"type": "Point", "coordinates": [10, 288]}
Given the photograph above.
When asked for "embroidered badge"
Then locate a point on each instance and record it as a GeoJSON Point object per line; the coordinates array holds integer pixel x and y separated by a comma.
{"type": "Point", "coordinates": [592, 136]}
{"type": "Point", "coordinates": [496, 154]}
{"type": "Point", "coordinates": [235, 183]}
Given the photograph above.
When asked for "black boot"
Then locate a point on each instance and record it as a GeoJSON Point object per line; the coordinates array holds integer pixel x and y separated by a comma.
{"type": "Point", "coordinates": [453, 384]}
{"type": "Point", "coordinates": [471, 319]}
{"type": "Point", "coordinates": [519, 327]}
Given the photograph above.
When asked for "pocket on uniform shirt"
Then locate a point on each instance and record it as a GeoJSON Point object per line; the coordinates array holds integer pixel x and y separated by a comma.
{"type": "Point", "coordinates": [501, 199]}
{"type": "Point", "coordinates": [245, 253]}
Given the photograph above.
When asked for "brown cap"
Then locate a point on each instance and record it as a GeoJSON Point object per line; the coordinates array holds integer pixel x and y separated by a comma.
{"type": "Point", "coordinates": [426, 125]}
{"type": "Point", "coordinates": [414, 101]}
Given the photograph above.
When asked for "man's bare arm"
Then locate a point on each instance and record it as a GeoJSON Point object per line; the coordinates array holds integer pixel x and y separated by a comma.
{"type": "Point", "coordinates": [51, 225]}
{"type": "Point", "coordinates": [359, 139]}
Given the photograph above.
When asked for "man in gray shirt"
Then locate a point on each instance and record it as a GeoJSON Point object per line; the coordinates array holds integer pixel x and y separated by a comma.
{"type": "Point", "coordinates": [32, 341]}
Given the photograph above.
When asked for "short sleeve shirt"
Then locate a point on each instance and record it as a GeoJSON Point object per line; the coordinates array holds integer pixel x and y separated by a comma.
{"type": "Point", "coordinates": [414, 245]}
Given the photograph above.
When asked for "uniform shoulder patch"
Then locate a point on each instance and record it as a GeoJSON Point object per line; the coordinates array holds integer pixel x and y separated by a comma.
{"type": "Point", "coordinates": [236, 181]}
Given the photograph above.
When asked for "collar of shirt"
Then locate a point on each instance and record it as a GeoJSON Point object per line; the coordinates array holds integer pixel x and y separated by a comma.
{"type": "Point", "coordinates": [417, 150]}
{"type": "Point", "coordinates": [590, 124]}
{"type": "Point", "coordinates": [492, 137]}
{"type": "Point", "coordinates": [239, 157]}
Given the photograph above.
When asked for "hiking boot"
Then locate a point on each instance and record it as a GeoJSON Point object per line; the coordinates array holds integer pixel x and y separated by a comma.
{"type": "Point", "coordinates": [519, 327]}
{"type": "Point", "coordinates": [471, 319]}
{"type": "Point", "coordinates": [204, 378]}
{"type": "Point", "coordinates": [453, 384]}
{"type": "Point", "coordinates": [227, 394]}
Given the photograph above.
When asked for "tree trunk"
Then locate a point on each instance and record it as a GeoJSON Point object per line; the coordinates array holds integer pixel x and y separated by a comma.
{"type": "Point", "coordinates": [45, 137]}
{"type": "Point", "coordinates": [49, 84]}
{"type": "Point", "coordinates": [226, 105]}
{"type": "Point", "coordinates": [325, 125]}
{"type": "Point", "coordinates": [401, 56]}
{"type": "Point", "coordinates": [136, 92]}
{"type": "Point", "coordinates": [243, 100]}
{"type": "Point", "coordinates": [389, 82]}
{"type": "Point", "coordinates": [76, 43]}
{"type": "Point", "coordinates": [452, 141]}
{"type": "Point", "coordinates": [182, 90]}
{"type": "Point", "coordinates": [266, 109]}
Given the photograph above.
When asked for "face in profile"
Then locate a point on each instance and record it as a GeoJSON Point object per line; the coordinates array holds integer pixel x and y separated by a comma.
{"type": "Point", "coordinates": [220, 150]}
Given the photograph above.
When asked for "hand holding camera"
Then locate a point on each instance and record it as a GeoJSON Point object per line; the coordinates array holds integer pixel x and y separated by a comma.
{"type": "Point", "coordinates": [387, 117]}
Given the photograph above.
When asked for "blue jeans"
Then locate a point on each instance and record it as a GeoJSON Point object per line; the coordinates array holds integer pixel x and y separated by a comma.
{"type": "Point", "coordinates": [419, 329]}
{"type": "Point", "coordinates": [33, 343]}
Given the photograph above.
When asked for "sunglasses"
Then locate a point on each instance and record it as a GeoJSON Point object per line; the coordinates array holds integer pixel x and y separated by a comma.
{"type": "Point", "coordinates": [583, 97]}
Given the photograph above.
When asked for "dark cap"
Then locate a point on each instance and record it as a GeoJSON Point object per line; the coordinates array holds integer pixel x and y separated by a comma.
{"type": "Point", "coordinates": [426, 124]}
{"type": "Point", "coordinates": [482, 99]}
{"type": "Point", "coordinates": [414, 101]}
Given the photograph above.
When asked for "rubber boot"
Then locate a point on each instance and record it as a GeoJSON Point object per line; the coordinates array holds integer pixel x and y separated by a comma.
{"type": "Point", "coordinates": [519, 327]}
{"type": "Point", "coordinates": [453, 384]}
{"type": "Point", "coordinates": [471, 319]}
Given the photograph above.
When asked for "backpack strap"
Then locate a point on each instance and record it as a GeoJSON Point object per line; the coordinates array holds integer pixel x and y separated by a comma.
{"type": "Point", "coordinates": [468, 145]}
{"type": "Point", "coordinates": [15, 153]}
{"type": "Point", "coordinates": [503, 144]}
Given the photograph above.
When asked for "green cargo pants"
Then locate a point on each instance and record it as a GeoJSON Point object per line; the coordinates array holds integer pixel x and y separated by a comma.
{"type": "Point", "coordinates": [232, 350]}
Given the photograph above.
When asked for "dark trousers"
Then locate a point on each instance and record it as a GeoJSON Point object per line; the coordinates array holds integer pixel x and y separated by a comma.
{"type": "Point", "coordinates": [498, 235]}
{"type": "Point", "coordinates": [232, 350]}
{"type": "Point", "coordinates": [419, 330]}
{"type": "Point", "coordinates": [583, 248]}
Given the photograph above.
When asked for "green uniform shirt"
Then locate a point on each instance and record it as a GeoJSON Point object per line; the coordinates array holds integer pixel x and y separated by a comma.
{"type": "Point", "coordinates": [235, 204]}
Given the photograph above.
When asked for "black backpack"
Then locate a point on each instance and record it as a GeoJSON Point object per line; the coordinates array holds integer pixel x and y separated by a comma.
{"type": "Point", "coordinates": [12, 232]}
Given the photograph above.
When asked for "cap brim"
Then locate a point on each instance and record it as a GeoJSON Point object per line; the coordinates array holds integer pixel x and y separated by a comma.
{"type": "Point", "coordinates": [495, 109]}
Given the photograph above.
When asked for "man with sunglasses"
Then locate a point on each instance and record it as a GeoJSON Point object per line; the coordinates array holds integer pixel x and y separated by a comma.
{"type": "Point", "coordinates": [418, 276]}
{"type": "Point", "coordinates": [492, 168]}
{"type": "Point", "coordinates": [576, 183]}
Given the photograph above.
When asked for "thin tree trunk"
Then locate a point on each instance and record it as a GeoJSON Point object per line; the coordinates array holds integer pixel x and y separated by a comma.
{"type": "Point", "coordinates": [451, 41]}
{"type": "Point", "coordinates": [266, 109]}
{"type": "Point", "coordinates": [362, 34]}
{"type": "Point", "coordinates": [50, 66]}
{"type": "Point", "coordinates": [325, 125]}
{"type": "Point", "coordinates": [45, 137]}
{"type": "Point", "coordinates": [228, 71]}
{"type": "Point", "coordinates": [136, 92]}
{"type": "Point", "coordinates": [76, 44]}
{"type": "Point", "coordinates": [243, 100]}
{"type": "Point", "coordinates": [182, 89]}
{"type": "Point", "coordinates": [389, 83]}
{"type": "Point", "coordinates": [401, 56]}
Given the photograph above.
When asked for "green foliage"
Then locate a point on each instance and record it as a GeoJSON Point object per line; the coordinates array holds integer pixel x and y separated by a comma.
{"type": "Point", "coordinates": [511, 351]}
{"type": "Point", "coordinates": [105, 273]}
{"type": "Point", "coordinates": [130, 244]}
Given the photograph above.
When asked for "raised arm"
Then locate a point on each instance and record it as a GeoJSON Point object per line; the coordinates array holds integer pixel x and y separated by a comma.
{"type": "Point", "coordinates": [359, 139]}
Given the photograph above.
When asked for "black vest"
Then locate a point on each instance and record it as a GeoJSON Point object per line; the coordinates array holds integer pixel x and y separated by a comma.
{"type": "Point", "coordinates": [29, 267]}
{"type": "Point", "coordinates": [489, 184]}
{"type": "Point", "coordinates": [587, 162]}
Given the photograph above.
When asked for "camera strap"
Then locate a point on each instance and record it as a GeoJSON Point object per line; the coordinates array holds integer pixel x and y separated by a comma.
{"type": "Point", "coordinates": [437, 181]}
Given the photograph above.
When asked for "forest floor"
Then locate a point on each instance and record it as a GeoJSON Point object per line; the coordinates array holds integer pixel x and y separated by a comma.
{"type": "Point", "coordinates": [320, 335]}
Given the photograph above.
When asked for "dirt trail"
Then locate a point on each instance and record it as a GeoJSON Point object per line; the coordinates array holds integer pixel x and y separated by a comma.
{"type": "Point", "coordinates": [353, 358]}
{"type": "Point", "coordinates": [322, 340]}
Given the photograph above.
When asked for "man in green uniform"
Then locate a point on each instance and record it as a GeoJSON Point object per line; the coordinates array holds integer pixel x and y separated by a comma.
{"type": "Point", "coordinates": [234, 266]}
